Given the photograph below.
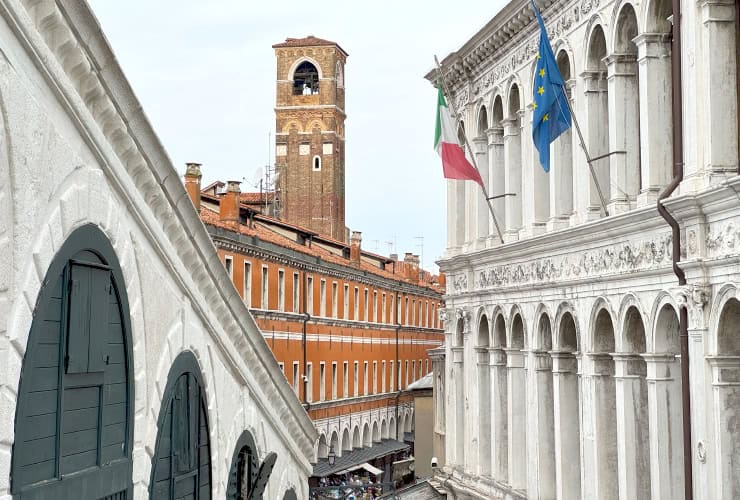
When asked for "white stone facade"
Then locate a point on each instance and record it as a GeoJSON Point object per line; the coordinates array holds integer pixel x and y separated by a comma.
{"type": "Point", "coordinates": [76, 149]}
{"type": "Point", "coordinates": [562, 363]}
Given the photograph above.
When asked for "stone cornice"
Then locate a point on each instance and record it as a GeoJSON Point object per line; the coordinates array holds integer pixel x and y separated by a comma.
{"type": "Point", "coordinates": [506, 43]}
{"type": "Point", "coordinates": [64, 39]}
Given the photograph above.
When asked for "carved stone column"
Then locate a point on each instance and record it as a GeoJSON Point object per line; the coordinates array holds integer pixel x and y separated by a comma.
{"type": "Point", "coordinates": [484, 421]}
{"type": "Point", "coordinates": [497, 179]}
{"type": "Point", "coordinates": [499, 402]}
{"type": "Point", "coordinates": [482, 215]}
{"type": "Point", "coordinates": [632, 427]}
{"type": "Point", "coordinates": [654, 63]}
{"type": "Point", "coordinates": [545, 427]}
{"type": "Point", "coordinates": [600, 428]}
{"type": "Point", "coordinates": [458, 436]}
{"type": "Point", "coordinates": [567, 421]}
{"type": "Point", "coordinates": [719, 109]}
{"type": "Point", "coordinates": [666, 426]}
{"type": "Point", "coordinates": [561, 176]}
{"type": "Point", "coordinates": [596, 134]}
{"type": "Point", "coordinates": [513, 177]}
{"type": "Point", "coordinates": [517, 425]}
{"type": "Point", "coordinates": [624, 131]}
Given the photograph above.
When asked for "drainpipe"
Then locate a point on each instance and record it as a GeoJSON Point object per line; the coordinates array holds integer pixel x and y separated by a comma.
{"type": "Point", "coordinates": [678, 160]}
{"type": "Point", "coordinates": [306, 318]}
{"type": "Point", "coordinates": [398, 360]}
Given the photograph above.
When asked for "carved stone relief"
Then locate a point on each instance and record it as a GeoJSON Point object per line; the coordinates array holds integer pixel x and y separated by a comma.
{"type": "Point", "coordinates": [623, 258]}
{"type": "Point", "coordinates": [723, 240]}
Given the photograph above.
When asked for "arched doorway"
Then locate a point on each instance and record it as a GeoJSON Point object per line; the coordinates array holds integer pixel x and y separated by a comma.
{"type": "Point", "coordinates": [182, 458]}
{"type": "Point", "coordinates": [74, 418]}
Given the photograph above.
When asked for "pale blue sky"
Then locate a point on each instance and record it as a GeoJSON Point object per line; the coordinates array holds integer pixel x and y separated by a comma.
{"type": "Point", "coordinates": [204, 72]}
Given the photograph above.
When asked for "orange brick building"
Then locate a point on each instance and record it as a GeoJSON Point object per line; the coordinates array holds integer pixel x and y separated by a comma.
{"type": "Point", "coordinates": [350, 329]}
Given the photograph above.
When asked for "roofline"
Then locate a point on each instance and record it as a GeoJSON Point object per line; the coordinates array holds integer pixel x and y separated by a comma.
{"type": "Point", "coordinates": [282, 45]}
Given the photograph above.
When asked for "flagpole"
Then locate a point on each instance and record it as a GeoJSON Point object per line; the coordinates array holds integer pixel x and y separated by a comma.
{"type": "Point", "coordinates": [589, 160]}
{"type": "Point", "coordinates": [472, 153]}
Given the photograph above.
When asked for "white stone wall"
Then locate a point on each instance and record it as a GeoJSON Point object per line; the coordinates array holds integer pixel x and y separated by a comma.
{"type": "Point", "coordinates": [577, 314]}
{"type": "Point", "coordinates": [76, 149]}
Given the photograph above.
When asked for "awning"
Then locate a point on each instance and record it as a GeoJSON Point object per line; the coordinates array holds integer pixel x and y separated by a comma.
{"type": "Point", "coordinates": [372, 470]}
{"type": "Point", "coordinates": [358, 457]}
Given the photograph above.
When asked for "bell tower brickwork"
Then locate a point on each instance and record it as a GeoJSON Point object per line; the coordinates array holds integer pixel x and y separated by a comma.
{"type": "Point", "coordinates": [309, 138]}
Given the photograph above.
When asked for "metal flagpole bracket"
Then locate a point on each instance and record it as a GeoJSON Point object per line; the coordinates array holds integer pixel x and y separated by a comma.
{"type": "Point", "coordinates": [497, 196]}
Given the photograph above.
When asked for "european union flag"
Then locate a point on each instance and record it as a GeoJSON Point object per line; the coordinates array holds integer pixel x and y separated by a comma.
{"type": "Point", "coordinates": [551, 113]}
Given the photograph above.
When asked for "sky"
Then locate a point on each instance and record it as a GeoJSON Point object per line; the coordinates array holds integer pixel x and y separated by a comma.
{"type": "Point", "coordinates": [205, 72]}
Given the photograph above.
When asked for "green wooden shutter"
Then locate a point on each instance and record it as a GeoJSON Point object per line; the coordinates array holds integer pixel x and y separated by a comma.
{"type": "Point", "coordinates": [89, 288]}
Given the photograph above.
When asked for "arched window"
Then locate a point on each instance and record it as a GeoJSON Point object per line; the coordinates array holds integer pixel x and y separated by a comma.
{"type": "Point", "coordinates": [247, 478]}
{"type": "Point", "coordinates": [306, 79]}
{"type": "Point", "coordinates": [182, 457]}
{"type": "Point", "coordinates": [74, 421]}
{"type": "Point", "coordinates": [316, 163]}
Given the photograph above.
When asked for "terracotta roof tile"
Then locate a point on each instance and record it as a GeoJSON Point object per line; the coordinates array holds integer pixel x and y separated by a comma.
{"type": "Point", "coordinates": [210, 217]}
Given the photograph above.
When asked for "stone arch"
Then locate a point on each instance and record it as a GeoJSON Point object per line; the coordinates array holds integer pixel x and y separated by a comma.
{"type": "Point", "coordinates": [459, 333]}
{"type": "Point", "coordinates": [482, 121]}
{"type": "Point", "coordinates": [664, 332]}
{"type": "Point", "coordinates": [655, 16]}
{"type": "Point", "coordinates": [346, 441]}
{"type": "Point", "coordinates": [567, 335]}
{"type": "Point", "coordinates": [601, 305]}
{"type": "Point", "coordinates": [483, 338]}
{"type": "Point", "coordinates": [301, 60]}
{"type": "Point", "coordinates": [544, 333]}
{"type": "Point", "coordinates": [334, 443]}
{"type": "Point", "coordinates": [518, 331]}
{"type": "Point", "coordinates": [409, 421]}
{"type": "Point", "coordinates": [290, 494]}
{"type": "Point", "coordinates": [392, 428]}
{"type": "Point", "coordinates": [322, 450]}
{"type": "Point", "coordinates": [499, 329]}
{"type": "Point", "coordinates": [376, 432]}
{"type": "Point", "coordinates": [514, 102]}
{"type": "Point", "coordinates": [292, 124]}
{"type": "Point", "coordinates": [356, 437]}
{"type": "Point", "coordinates": [367, 438]}
{"type": "Point", "coordinates": [497, 109]}
{"type": "Point", "coordinates": [726, 393]}
{"type": "Point", "coordinates": [727, 293]}
{"type": "Point", "coordinates": [384, 429]}
{"type": "Point", "coordinates": [595, 24]}
{"type": "Point", "coordinates": [630, 314]}
{"type": "Point", "coordinates": [316, 124]}
{"type": "Point", "coordinates": [625, 28]}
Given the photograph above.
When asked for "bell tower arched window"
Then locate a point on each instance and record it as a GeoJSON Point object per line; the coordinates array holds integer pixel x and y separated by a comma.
{"type": "Point", "coordinates": [306, 79]}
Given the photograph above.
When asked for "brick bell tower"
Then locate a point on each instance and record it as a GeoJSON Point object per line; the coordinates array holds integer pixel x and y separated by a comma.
{"type": "Point", "coordinates": [309, 134]}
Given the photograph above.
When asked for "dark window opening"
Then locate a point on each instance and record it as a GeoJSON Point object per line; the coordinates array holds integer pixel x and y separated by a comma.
{"type": "Point", "coordinates": [306, 79]}
{"type": "Point", "coordinates": [317, 163]}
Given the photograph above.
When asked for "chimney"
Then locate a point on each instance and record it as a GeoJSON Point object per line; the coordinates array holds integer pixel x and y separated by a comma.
{"type": "Point", "coordinates": [411, 269]}
{"type": "Point", "coordinates": [394, 257]}
{"type": "Point", "coordinates": [355, 246]}
{"type": "Point", "coordinates": [192, 183]}
{"type": "Point", "coordinates": [229, 204]}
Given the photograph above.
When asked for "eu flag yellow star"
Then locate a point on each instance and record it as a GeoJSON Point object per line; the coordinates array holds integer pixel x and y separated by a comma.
{"type": "Point", "coordinates": [542, 72]}
{"type": "Point", "coordinates": [546, 117]}
{"type": "Point", "coordinates": [534, 105]}
{"type": "Point", "coordinates": [541, 90]}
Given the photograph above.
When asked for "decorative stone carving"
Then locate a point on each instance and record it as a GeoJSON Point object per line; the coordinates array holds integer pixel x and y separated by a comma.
{"type": "Point", "coordinates": [588, 5]}
{"type": "Point", "coordinates": [622, 258]}
{"type": "Point", "coordinates": [443, 315]}
{"type": "Point", "coordinates": [723, 240]}
{"type": "Point", "coordinates": [697, 300]}
{"type": "Point", "coordinates": [460, 283]}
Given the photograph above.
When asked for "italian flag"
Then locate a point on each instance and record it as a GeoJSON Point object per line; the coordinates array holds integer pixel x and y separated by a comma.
{"type": "Point", "coordinates": [454, 163]}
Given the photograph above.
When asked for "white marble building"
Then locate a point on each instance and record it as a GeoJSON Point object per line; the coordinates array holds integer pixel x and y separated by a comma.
{"type": "Point", "coordinates": [562, 357]}
{"type": "Point", "coordinates": [86, 187]}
